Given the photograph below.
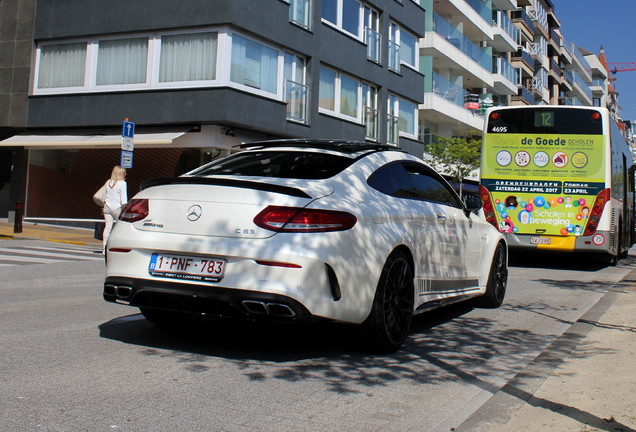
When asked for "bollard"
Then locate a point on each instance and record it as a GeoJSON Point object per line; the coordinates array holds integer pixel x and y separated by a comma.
{"type": "Point", "coordinates": [17, 223]}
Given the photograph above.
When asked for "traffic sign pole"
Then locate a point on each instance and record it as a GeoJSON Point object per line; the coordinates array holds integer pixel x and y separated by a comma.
{"type": "Point", "coordinates": [127, 144]}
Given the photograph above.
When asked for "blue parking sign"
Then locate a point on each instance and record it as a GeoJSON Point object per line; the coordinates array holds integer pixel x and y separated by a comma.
{"type": "Point", "coordinates": [126, 159]}
{"type": "Point", "coordinates": [128, 129]}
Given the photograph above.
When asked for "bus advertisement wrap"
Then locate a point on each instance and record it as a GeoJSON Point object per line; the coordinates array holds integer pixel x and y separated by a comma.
{"type": "Point", "coordinates": [517, 170]}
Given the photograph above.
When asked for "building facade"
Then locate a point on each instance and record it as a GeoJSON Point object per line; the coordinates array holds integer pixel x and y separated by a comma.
{"type": "Point", "coordinates": [200, 77]}
{"type": "Point", "coordinates": [197, 78]}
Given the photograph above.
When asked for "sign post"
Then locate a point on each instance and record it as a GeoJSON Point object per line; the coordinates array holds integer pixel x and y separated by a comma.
{"type": "Point", "coordinates": [127, 144]}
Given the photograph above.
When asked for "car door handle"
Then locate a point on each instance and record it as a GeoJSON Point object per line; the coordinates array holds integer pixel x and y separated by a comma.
{"type": "Point", "coordinates": [441, 217]}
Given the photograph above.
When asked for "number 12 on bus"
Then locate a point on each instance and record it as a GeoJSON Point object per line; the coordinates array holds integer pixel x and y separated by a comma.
{"type": "Point", "coordinates": [559, 178]}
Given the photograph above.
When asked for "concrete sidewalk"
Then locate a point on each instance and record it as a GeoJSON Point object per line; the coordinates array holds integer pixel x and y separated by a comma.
{"type": "Point", "coordinates": [54, 233]}
{"type": "Point", "coordinates": [585, 381]}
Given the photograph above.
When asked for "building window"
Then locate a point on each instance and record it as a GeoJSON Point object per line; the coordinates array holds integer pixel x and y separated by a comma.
{"type": "Point", "coordinates": [299, 12]}
{"type": "Point", "coordinates": [253, 64]}
{"type": "Point", "coordinates": [402, 47]}
{"type": "Point", "coordinates": [351, 16]}
{"type": "Point", "coordinates": [347, 97]}
{"type": "Point", "coordinates": [62, 65]}
{"type": "Point", "coordinates": [346, 15]}
{"type": "Point", "coordinates": [372, 36]}
{"type": "Point", "coordinates": [407, 116]}
{"type": "Point", "coordinates": [296, 92]}
{"type": "Point", "coordinates": [213, 57]}
{"type": "Point", "coordinates": [122, 61]}
{"type": "Point", "coordinates": [402, 118]}
{"type": "Point", "coordinates": [188, 57]}
{"type": "Point", "coordinates": [327, 96]}
{"type": "Point", "coordinates": [371, 113]}
{"type": "Point", "coordinates": [330, 11]}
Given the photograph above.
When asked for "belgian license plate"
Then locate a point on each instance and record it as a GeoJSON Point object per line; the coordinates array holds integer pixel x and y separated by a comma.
{"type": "Point", "coordinates": [187, 267]}
{"type": "Point", "coordinates": [540, 240]}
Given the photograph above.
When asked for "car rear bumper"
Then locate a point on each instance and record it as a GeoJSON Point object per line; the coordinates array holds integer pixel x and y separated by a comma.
{"type": "Point", "coordinates": [218, 302]}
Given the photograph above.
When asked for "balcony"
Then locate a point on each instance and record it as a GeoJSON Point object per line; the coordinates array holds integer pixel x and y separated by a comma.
{"type": "Point", "coordinates": [524, 96]}
{"type": "Point", "coordinates": [444, 103]}
{"type": "Point", "coordinates": [505, 77]}
{"type": "Point", "coordinates": [454, 37]}
{"type": "Point", "coordinates": [555, 68]}
{"type": "Point", "coordinates": [521, 17]}
{"type": "Point", "coordinates": [505, 4]}
{"type": "Point", "coordinates": [554, 37]}
{"type": "Point", "coordinates": [453, 52]}
{"type": "Point", "coordinates": [448, 90]}
{"type": "Point", "coordinates": [524, 56]}
{"type": "Point", "coordinates": [569, 78]}
{"type": "Point", "coordinates": [481, 8]}
{"type": "Point", "coordinates": [505, 33]}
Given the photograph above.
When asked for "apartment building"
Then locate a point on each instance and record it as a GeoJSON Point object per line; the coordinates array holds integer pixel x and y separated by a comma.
{"type": "Point", "coordinates": [200, 77]}
{"type": "Point", "coordinates": [477, 54]}
{"type": "Point", "coordinates": [197, 78]}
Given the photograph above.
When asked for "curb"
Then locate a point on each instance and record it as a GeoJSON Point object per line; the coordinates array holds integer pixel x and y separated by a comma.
{"type": "Point", "coordinates": [505, 403]}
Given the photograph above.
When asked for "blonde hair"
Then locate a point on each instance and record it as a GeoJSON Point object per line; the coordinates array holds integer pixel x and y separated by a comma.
{"type": "Point", "coordinates": [119, 173]}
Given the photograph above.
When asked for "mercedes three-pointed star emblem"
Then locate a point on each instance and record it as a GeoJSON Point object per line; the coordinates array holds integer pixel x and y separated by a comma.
{"type": "Point", "coordinates": [194, 213]}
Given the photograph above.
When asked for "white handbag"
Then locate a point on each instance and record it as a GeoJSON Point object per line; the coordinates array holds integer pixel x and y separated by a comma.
{"type": "Point", "coordinates": [100, 196]}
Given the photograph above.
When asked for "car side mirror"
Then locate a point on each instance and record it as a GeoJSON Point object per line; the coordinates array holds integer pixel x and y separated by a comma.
{"type": "Point", "coordinates": [473, 202]}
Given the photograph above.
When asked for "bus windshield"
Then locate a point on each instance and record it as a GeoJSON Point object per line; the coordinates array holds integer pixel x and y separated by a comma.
{"type": "Point", "coordinates": [545, 120]}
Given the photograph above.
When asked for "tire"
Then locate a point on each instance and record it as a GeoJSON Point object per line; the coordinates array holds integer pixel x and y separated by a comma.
{"type": "Point", "coordinates": [389, 322]}
{"type": "Point", "coordinates": [497, 280]}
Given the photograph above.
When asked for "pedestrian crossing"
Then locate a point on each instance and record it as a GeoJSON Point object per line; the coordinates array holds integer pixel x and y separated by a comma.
{"type": "Point", "coordinates": [29, 255]}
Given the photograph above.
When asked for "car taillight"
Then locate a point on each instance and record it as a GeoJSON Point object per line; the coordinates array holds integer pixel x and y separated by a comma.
{"type": "Point", "coordinates": [300, 220]}
{"type": "Point", "coordinates": [597, 211]}
{"type": "Point", "coordinates": [136, 209]}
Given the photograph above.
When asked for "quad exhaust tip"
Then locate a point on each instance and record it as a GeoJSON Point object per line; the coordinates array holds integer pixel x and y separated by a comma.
{"type": "Point", "coordinates": [119, 292]}
{"type": "Point", "coordinates": [264, 308]}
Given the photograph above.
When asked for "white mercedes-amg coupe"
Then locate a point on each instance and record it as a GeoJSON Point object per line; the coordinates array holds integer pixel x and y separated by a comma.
{"type": "Point", "coordinates": [300, 230]}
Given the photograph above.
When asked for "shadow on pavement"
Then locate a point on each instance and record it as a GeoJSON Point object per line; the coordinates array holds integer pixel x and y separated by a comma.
{"type": "Point", "coordinates": [586, 262]}
{"type": "Point", "coordinates": [445, 345]}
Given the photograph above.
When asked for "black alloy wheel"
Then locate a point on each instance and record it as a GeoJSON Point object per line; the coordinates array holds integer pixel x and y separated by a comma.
{"type": "Point", "coordinates": [389, 322]}
{"type": "Point", "coordinates": [497, 280]}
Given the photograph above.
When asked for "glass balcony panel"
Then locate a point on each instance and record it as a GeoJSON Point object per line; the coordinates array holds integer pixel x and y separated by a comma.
{"type": "Point", "coordinates": [452, 35]}
{"type": "Point", "coordinates": [371, 121]}
{"type": "Point", "coordinates": [393, 132]}
{"type": "Point", "coordinates": [448, 90]}
{"type": "Point", "coordinates": [373, 40]}
{"type": "Point", "coordinates": [394, 56]}
{"type": "Point", "coordinates": [296, 98]}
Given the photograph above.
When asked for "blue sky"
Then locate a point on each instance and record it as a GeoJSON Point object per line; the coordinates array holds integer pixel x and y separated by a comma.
{"type": "Point", "coordinates": [612, 24]}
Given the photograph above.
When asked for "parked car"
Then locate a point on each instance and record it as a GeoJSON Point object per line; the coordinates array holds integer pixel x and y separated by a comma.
{"type": "Point", "coordinates": [302, 230]}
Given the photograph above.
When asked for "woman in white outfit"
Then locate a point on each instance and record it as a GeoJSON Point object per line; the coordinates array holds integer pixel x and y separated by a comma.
{"type": "Point", "coordinates": [116, 197]}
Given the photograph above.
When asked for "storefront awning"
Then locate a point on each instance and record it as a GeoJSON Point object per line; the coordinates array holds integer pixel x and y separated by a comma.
{"type": "Point", "coordinates": [65, 142]}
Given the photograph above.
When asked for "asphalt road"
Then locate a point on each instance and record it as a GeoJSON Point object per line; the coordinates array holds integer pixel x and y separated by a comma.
{"type": "Point", "coordinates": [69, 361]}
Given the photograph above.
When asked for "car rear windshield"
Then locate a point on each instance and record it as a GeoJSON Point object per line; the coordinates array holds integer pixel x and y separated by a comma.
{"type": "Point", "coordinates": [281, 164]}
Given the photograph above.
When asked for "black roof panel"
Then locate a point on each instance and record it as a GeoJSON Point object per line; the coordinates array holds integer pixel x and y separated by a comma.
{"type": "Point", "coordinates": [336, 145]}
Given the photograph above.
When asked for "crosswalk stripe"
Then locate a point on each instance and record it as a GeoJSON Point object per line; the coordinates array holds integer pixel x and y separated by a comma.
{"type": "Point", "coordinates": [25, 255]}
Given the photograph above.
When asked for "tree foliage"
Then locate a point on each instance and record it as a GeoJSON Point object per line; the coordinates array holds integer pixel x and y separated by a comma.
{"type": "Point", "coordinates": [456, 157]}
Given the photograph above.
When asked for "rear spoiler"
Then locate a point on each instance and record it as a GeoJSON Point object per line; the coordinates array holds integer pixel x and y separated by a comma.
{"type": "Point", "coordinates": [245, 184]}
